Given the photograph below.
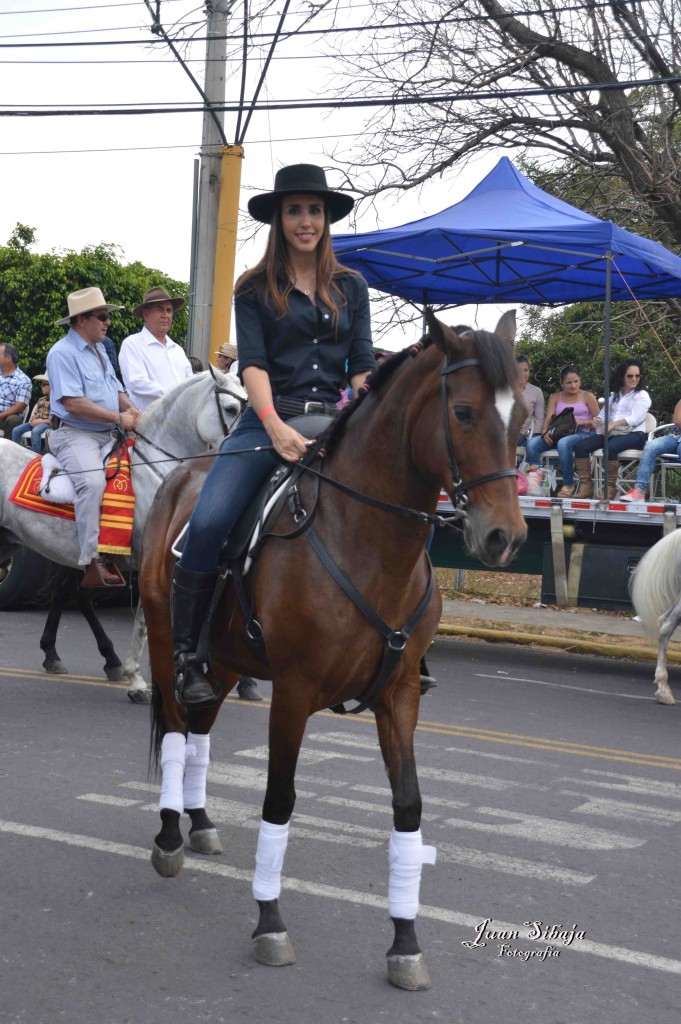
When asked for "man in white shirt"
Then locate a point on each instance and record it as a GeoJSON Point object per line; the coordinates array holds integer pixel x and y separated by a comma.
{"type": "Point", "coordinates": [151, 362]}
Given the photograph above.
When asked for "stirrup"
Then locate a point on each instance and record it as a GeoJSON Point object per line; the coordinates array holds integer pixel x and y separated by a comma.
{"type": "Point", "coordinates": [184, 663]}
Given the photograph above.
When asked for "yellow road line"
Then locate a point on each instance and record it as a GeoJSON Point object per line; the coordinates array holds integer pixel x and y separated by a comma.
{"type": "Point", "coordinates": [435, 728]}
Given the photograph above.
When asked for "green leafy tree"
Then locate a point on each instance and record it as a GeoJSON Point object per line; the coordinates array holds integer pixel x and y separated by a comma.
{"type": "Point", "coordinates": [34, 288]}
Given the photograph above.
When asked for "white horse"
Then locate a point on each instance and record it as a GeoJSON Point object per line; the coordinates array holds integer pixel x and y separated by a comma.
{"type": "Point", "coordinates": [656, 594]}
{"type": "Point", "coordinates": [190, 419]}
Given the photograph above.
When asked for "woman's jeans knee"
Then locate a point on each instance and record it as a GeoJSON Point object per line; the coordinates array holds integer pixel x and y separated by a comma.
{"type": "Point", "coordinates": [230, 485]}
{"type": "Point", "coordinates": [667, 445]}
{"type": "Point", "coordinates": [534, 449]}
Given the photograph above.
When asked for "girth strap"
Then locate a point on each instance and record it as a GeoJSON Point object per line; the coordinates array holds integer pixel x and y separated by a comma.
{"type": "Point", "coordinates": [395, 640]}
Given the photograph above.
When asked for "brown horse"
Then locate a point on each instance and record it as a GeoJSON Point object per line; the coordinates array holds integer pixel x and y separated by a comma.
{"type": "Point", "coordinates": [442, 414]}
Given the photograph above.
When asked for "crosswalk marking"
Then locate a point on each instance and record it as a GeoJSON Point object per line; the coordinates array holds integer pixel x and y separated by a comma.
{"type": "Point", "coordinates": [548, 830]}
{"type": "Point", "coordinates": [626, 783]}
{"type": "Point", "coordinates": [113, 801]}
{"type": "Point", "coordinates": [306, 756]}
{"type": "Point", "coordinates": [466, 921]}
{"type": "Point", "coordinates": [630, 812]}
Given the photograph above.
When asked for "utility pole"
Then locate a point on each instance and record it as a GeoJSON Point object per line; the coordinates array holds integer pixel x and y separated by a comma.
{"type": "Point", "coordinates": [213, 140]}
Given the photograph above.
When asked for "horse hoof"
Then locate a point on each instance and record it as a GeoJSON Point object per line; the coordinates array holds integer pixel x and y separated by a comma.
{"type": "Point", "coordinates": [55, 668]}
{"type": "Point", "coordinates": [139, 696]}
{"type": "Point", "coordinates": [167, 865]}
{"type": "Point", "coordinates": [205, 840]}
{"type": "Point", "coordinates": [408, 972]}
{"type": "Point", "coordinates": [114, 673]}
{"type": "Point", "coordinates": [665, 698]}
{"type": "Point", "coordinates": [273, 949]}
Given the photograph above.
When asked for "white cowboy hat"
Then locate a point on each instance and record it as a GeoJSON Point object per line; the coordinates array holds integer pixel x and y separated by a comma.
{"type": "Point", "coordinates": [42, 377]}
{"type": "Point", "coordinates": [84, 301]}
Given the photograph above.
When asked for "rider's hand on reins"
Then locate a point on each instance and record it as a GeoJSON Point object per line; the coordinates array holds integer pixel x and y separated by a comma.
{"type": "Point", "coordinates": [288, 443]}
{"type": "Point", "coordinates": [128, 419]}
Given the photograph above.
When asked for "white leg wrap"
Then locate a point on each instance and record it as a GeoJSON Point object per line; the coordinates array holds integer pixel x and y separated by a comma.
{"type": "Point", "coordinates": [196, 770]}
{"type": "Point", "coordinates": [269, 860]}
{"type": "Point", "coordinates": [172, 766]}
{"type": "Point", "coordinates": [407, 855]}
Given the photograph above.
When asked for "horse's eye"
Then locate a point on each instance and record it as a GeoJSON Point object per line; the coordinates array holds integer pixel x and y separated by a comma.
{"type": "Point", "coordinates": [463, 413]}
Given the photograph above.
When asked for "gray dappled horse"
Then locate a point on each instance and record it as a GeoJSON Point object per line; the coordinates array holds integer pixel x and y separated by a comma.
{"type": "Point", "coordinates": [190, 419]}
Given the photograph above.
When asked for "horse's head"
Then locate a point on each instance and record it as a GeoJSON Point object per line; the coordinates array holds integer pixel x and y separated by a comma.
{"type": "Point", "coordinates": [465, 429]}
{"type": "Point", "coordinates": [195, 414]}
{"type": "Point", "coordinates": [222, 404]}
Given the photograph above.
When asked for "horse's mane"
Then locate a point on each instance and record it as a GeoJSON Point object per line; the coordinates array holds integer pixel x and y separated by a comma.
{"type": "Point", "coordinates": [497, 366]}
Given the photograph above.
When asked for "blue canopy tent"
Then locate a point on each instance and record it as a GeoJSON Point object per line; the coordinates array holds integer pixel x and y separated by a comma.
{"type": "Point", "coordinates": [510, 242]}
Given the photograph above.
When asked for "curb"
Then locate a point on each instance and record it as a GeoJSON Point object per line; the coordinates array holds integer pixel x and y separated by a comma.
{"type": "Point", "coordinates": [562, 643]}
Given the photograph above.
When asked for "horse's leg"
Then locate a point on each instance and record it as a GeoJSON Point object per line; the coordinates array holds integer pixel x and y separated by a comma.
{"type": "Point", "coordinates": [203, 835]}
{"type": "Point", "coordinates": [396, 722]}
{"type": "Point", "coordinates": [112, 663]}
{"type": "Point", "coordinates": [667, 623]}
{"type": "Point", "coordinates": [271, 944]}
{"type": "Point", "coordinates": [48, 641]}
{"type": "Point", "coordinates": [167, 855]}
{"type": "Point", "coordinates": [138, 691]}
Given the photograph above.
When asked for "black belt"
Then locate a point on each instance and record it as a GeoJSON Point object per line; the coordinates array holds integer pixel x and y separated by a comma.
{"type": "Point", "coordinates": [297, 407]}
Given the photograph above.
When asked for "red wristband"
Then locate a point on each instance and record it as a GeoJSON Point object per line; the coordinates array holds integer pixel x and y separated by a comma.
{"type": "Point", "coordinates": [266, 411]}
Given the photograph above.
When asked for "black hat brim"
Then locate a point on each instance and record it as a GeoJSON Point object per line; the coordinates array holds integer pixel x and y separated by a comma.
{"type": "Point", "coordinates": [263, 206]}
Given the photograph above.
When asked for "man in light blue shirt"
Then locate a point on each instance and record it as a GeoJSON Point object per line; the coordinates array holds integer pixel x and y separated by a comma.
{"type": "Point", "coordinates": [89, 403]}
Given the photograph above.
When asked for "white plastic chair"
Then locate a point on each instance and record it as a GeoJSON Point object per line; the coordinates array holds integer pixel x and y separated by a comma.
{"type": "Point", "coordinates": [628, 462]}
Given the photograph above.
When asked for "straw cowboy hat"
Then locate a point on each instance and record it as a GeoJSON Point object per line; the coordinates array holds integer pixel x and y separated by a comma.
{"type": "Point", "coordinates": [84, 301]}
{"type": "Point", "coordinates": [227, 350]}
{"type": "Point", "coordinates": [300, 178]}
{"type": "Point", "coordinates": [156, 295]}
{"type": "Point", "coordinates": [42, 377]}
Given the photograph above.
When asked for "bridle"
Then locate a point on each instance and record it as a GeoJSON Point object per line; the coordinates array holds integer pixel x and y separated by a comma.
{"type": "Point", "coordinates": [218, 390]}
{"type": "Point", "coordinates": [460, 487]}
{"type": "Point", "coordinates": [221, 390]}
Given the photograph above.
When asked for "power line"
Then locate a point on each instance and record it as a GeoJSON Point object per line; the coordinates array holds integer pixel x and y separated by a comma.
{"type": "Point", "coordinates": [341, 103]}
{"type": "Point", "coordinates": [181, 145]}
{"type": "Point", "coordinates": [333, 30]}
{"type": "Point", "coordinates": [89, 7]}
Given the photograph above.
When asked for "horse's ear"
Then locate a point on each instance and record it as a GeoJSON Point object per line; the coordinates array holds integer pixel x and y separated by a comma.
{"type": "Point", "coordinates": [507, 328]}
{"type": "Point", "coordinates": [437, 330]}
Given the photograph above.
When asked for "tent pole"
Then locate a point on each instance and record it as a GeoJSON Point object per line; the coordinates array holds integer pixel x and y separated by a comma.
{"type": "Point", "coordinates": [606, 369]}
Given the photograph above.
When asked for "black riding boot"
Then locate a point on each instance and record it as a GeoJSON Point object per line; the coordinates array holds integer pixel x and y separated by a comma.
{"type": "Point", "coordinates": [427, 681]}
{"type": "Point", "coordinates": [192, 592]}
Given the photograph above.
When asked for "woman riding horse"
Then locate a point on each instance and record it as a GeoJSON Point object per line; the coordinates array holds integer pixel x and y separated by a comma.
{"type": "Point", "coordinates": [301, 319]}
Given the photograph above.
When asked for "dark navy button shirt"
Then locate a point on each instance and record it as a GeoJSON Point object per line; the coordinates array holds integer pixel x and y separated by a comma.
{"type": "Point", "coordinates": [304, 354]}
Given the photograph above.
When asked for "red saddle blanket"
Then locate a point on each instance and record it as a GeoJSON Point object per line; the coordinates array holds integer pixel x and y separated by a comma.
{"type": "Point", "coordinates": [118, 503]}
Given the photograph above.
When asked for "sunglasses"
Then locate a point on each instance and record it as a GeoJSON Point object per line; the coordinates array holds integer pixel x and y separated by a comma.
{"type": "Point", "coordinates": [104, 317]}
{"type": "Point", "coordinates": [633, 376]}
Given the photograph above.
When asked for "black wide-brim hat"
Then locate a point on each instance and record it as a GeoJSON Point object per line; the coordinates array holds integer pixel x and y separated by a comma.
{"type": "Point", "coordinates": [299, 178]}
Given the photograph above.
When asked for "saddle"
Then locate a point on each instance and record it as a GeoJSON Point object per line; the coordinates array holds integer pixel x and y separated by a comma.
{"type": "Point", "coordinates": [44, 487]}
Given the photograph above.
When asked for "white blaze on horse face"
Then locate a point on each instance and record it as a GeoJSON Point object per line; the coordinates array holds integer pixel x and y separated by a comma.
{"type": "Point", "coordinates": [504, 402]}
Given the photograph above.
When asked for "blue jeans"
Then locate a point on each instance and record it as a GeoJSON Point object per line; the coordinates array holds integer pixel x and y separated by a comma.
{"type": "Point", "coordinates": [230, 485]}
{"type": "Point", "coordinates": [616, 444]}
{"type": "Point", "coordinates": [666, 445]}
{"type": "Point", "coordinates": [536, 446]}
{"type": "Point", "coordinates": [37, 432]}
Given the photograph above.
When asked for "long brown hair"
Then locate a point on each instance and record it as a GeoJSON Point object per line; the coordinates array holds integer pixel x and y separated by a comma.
{"type": "Point", "coordinates": [274, 269]}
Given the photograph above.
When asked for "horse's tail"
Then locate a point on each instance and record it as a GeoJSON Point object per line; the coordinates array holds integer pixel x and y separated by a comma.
{"type": "Point", "coordinates": [157, 728]}
{"type": "Point", "coordinates": [656, 582]}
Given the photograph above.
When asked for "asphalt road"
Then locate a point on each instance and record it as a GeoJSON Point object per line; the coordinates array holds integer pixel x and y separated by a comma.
{"type": "Point", "coordinates": [552, 791]}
